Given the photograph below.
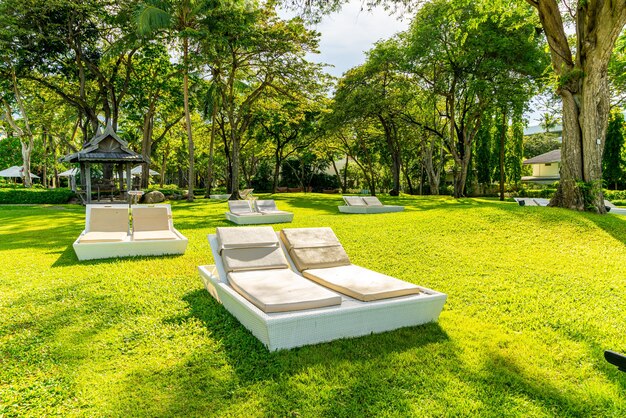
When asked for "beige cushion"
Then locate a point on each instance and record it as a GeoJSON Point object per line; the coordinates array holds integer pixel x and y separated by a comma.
{"type": "Point", "coordinates": [372, 201]}
{"type": "Point", "coordinates": [240, 207]}
{"type": "Point", "coordinates": [314, 248]}
{"type": "Point", "coordinates": [91, 237]}
{"type": "Point", "coordinates": [319, 257]}
{"type": "Point", "coordinates": [308, 237]}
{"type": "Point", "coordinates": [281, 291]}
{"type": "Point", "coordinates": [108, 220]}
{"type": "Point", "coordinates": [361, 283]}
{"type": "Point", "coordinates": [242, 259]}
{"type": "Point", "coordinates": [354, 200]}
{"type": "Point", "coordinates": [268, 207]}
{"type": "Point", "coordinates": [247, 237]}
{"type": "Point", "coordinates": [153, 218]}
{"type": "Point", "coordinates": [154, 235]}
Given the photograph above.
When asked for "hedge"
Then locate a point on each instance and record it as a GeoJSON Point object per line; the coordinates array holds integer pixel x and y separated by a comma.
{"type": "Point", "coordinates": [21, 196]}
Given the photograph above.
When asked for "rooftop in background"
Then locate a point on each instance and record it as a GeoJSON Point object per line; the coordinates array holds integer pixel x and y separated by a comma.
{"type": "Point", "coordinates": [553, 156]}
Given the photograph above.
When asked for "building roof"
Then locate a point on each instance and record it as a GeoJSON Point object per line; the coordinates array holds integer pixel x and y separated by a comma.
{"type": "Point", "coordinates": [105, 147]}
{"type": "Point", "coordinates": [553, 156]}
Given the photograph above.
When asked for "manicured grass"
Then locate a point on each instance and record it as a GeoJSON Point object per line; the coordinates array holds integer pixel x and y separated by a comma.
{"type": "Point", "coordinates": [534, 297]}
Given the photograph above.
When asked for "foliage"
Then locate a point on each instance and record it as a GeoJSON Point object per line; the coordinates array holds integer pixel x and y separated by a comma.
{"type": "Point", "coordinates": [540, 144]}
{"type": "Point", "coordinates": [142, 337]}
{"type": "Point", "coordinates": [613, 157]}
{"type": "Point", "coordinates": [35, 196]}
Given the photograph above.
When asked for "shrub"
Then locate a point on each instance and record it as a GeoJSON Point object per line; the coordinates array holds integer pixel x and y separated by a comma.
{"type": "Point", "coordinates": [39, 196]}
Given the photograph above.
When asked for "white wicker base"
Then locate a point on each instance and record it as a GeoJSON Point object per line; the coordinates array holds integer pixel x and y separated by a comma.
{"type": "Point", "coordinates": [353, 318]}
{"type": "Point", "coordinates": [129, 248]}
{"type": "Point", "coordinates": [259, 219]}
{"type": "Point", "coordinates": [370, 209]}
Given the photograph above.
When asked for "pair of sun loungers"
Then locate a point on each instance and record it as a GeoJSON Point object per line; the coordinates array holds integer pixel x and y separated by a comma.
{"type": "Point", "coordinates": [108, 232]}
{"type": "Point", "coordinates": [366, 204]}
{"type": "Point", "coordinates": [299, 288]}
{"type": "Point", "coordinates": [256, 212]}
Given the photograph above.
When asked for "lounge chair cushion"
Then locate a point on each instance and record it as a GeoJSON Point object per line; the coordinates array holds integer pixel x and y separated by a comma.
{"type": "Point", "coordinates": [262, 258]}
{"type": "Point", "coordinates": [281, 291]}
{"type": "Point", "coordinates": [312, 248]}
{"type": "Point", "coordinates": [154, 218]}
{"type": "Point", "coordinates": [267, 206]}
{"type": "Point", "coordinates": [240, 207]}
{"type": "Point", "coordinates": [308, 237]}
{"type": "Point", "coordinates": [154, 235]}
{"type": "Point", "coordinates": [361, 283]}
{"type": "Point", "coordinates": [108, 220]}
{"type": "Point", "coordinates": [372, 201]}
{"type": "Point", "coordinates": [248, 237]}
{"type": "Point", "coordinates": [98, 236]}
{"type": "Point", "coordinates": [354, 201]}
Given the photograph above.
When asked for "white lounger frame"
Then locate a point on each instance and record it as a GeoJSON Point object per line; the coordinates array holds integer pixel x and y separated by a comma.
{"type": "Point", "coordinates": [128, 247]}
{"type": "Point", "coordinates": [257, 218]}
{"type": "Point", "coordinates": [352, 318]}
{"type": "Point", "coordinates": [369, 209]}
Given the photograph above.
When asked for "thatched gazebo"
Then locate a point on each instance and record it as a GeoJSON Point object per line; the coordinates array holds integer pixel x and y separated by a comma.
{"type": "Point", "coordinates": [111, 154]}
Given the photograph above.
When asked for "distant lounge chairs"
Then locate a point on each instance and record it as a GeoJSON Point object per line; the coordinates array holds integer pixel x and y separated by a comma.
{"type": "Point", "coordinates": [253, 280]}
{"type": "Point", "coordinates": [528, 201]}
{"type": "Point", "coordinates": [366, 204]}
{"type": "Point", "coordinates": [250, 212]}
{"type": "Point", "coordinates": [108, 234]}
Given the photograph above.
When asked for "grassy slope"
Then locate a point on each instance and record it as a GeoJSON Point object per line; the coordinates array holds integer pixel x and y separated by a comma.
{"type": "Point", "coordinates": [534, 297]}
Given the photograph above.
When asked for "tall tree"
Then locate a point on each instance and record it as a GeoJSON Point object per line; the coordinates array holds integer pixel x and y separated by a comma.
{"type": "Point", "coordinates": [179, 19]}
{"type": "Point", "coordinates": [582, 84]}
{"type": "Point", "coordinates": [470, 56]}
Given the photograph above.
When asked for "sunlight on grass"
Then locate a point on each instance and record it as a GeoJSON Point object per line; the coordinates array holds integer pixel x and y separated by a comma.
{"type": "Point", "coordinates": [534, 297]}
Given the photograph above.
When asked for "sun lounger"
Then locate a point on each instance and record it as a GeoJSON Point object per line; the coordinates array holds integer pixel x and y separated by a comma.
{"type": "Point", "coordinates": [106, 233]}
{"type": "Point", "coordinates": [366, 204]}
{"type": "Point", "coordinates": [616, 359]}
{"type": "Point", "coordinates": [525, 201]}
{"type": "Point", "coordinates": [105, 224]}
{"type": "Point", "coordinates": [283, 330]}
{"type": "Point", "coordinates": [248, 212]}
{"type": "Point", "coordinates": [318, 255]}
{"type": "Point", "coordinates": [257, 269]}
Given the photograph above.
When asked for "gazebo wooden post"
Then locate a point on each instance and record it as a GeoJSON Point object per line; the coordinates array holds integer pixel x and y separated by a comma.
{"type": "Point", "coordinates": [88, 181]}
{"type": "Point", "coordinates": [129, 182]}
{"type": "Point", "coordinates": [120, 177]}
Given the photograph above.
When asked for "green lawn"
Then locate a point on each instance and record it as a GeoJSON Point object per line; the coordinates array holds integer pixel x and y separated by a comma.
{"type": "Point", "coordinates": [534, 297]}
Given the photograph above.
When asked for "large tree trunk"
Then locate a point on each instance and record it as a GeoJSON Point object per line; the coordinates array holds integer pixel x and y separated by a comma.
{"type": "Point", "coordinates": [188, 120]}
{"type": "Point", "coordinates": [27, 149]}
{"type": "Point", "coordinates": [209, 179]}
{"type": "Point", "coordinates": [584, 92]}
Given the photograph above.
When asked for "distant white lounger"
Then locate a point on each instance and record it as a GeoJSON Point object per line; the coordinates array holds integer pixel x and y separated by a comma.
{"type": "Point", "coordinates": [107, 233]}
{"type": "Point", "coordinates": [248, 294]}
{"type": "Point", "coordinates": [527, 201]}
{"type": "Point", "coordinates": [249, 212]}
{"type": "Point", "coordinates": [367, 204]}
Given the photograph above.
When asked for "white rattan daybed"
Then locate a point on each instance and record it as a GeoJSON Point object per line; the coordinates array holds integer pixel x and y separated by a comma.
{"type": "Point", "coordinates": [367, 204]}
{"type": "Point", "coordinates": [107, 233]}
{"type": "Point", "coordinates": [350, 318]}
{"type": "Point", "coordinates": [254, 212]}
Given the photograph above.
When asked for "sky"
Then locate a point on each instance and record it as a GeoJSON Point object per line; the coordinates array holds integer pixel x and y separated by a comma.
{"type": "Point", "coordinates": [348, 34]}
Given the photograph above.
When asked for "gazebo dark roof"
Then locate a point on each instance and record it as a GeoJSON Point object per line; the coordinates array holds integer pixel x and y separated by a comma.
{"type": "Point", "coordinates": [105, 147]}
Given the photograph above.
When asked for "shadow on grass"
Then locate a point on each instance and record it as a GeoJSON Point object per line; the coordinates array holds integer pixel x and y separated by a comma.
{"type": "Point", "coordinates": [239, 344]}
{"type": "Point", "coordinates": [68, 258]}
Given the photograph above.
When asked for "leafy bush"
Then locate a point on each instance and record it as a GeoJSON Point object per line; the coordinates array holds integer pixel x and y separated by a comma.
{"type": "Point", "coordinates": [49, 196]}
{"type": "Point", "coordinates": [323, 181]}
{"type": "Point", "coordinates": [614, 194]}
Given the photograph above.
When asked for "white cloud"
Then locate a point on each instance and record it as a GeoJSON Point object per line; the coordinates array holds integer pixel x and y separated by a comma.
{"type": "Point", "coordinates": [346, 35]}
